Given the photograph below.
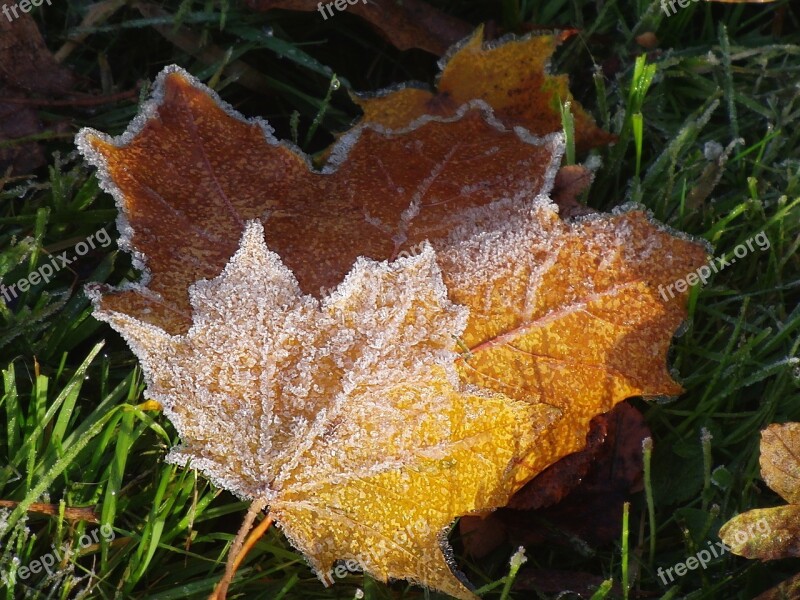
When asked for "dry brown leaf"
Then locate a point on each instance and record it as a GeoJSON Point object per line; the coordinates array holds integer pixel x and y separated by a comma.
{"type": "Point", "coordinates": [345, 415]}
{"type": "Point", "coordinates": [408, 24]}
{"type": "Point", "coordinates": [772, 533]}
{"type": "Point", "coordinates": [780, 460]}
{"type": "Point", "coordinates": [319, 223]}
{"type": "Point", "coordinates": [509, 75]}
{"type": "Point", "coordinates": [27, 68]}
{"type": "Point", "coordinates": [581, 495]}
{"type": "Point", "coordinates": [570, 182]}
{"type": "Point", "coordinates": [764, 533]}
{"type": "Point", "coordinates": [564, 318]}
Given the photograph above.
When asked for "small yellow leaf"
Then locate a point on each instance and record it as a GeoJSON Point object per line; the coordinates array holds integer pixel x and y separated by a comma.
{"type": "Point", "coordinates": [149, 405]}
{"type": "Point", "coordinates": [780, 460]}
{"type": "Point", "coordinates": [764, 533]}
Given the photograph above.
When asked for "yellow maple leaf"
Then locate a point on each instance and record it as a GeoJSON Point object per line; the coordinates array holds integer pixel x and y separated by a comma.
{"type": "Point", "coordinates": [345, 415]}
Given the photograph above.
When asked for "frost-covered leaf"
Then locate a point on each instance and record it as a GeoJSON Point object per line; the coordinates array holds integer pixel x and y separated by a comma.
{"type": "Point", "coordinates": [772, 533]}
{"type": "Point", "coordinates": [190, 172]}
{"type": "Point", "coordinates": [780, 460]}
{"type": "Point", "coordinates": [564, 318]}
{"type": "Point", "coordinates": [579, 496]}
{"type": "Point", "coordinates": [346, 415]}
{"type": "Point", "coordinates": [509, 75]}
{"type": "Point", "coordinates": [764, 533]}
{"type": "Point", "coordinates": [572, 314]}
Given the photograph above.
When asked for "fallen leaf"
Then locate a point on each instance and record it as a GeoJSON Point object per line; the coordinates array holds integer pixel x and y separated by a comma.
{"type": "Point", "coordinates": [786, 590]}
{"type": "Point", "coordinates": [780, 460]}
{"type": "Point", "coordinates": [408, 24]}
{"type": "Point", "coordinates": [647, 40]}
{"type": "Point", "coordinates": [580, 496]}
{"type": "Point", "coordinates": [27, 69]}
{"type": "Point", "coordinates": [566, 318]}
{"type": "Point", "coordinates": [772, 533]}
{"type": "Point", "coordinates": [567, 313]}
{"type": "Point", "coordinates": [611, 459]}
{"type": "Point", "coordinates": [570, 182]}
{"type": "Point", "coordinates": [509, 75]}
{"type": "Point", "coordinates": [319, 223]}
{"type": "Point", "coordinates": [764, 533]}
{"type": "Point", "coordinates": [345, 415]}
{"type": "Point", "coordinates": [564, 313]}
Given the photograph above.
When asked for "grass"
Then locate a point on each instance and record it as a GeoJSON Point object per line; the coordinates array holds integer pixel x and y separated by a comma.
{"type": "Point", "coordinates": [709, 142]}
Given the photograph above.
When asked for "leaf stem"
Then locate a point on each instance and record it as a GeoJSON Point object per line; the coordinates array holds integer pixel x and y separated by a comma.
{"type": "Point", "coordinates": [241, 547]}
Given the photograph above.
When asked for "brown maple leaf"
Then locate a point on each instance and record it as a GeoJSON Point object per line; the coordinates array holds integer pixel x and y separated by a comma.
{"type": "Point", "coordinates": [772, 533]}
{"type": "Point", "coordinates": [345, 415]}
{"type": "Point", "coordinates": [381, 194]}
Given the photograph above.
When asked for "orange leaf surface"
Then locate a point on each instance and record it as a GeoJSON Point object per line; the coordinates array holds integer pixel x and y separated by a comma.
{"type": "Point", "coordinates": [509, 75]}
{"type": "Point", "coordinates": [569, 314]}
{"type": "Point", "coordinates": [561, 319]}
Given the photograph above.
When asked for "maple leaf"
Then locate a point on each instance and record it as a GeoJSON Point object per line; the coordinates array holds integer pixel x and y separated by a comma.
{"type": "Point", "coordinates": [572, 314]}
{"type": "Point", "coordinates": [564, 316]}
{"type": "Point", "coordinates": [381, 194]}
{"type": "Point", "coordinates": [345, 415]}
{"type": "Point", "coordinates": [772, 533]}
{"type": "Point", "coordinates": [580, 496]}
{"type": "Point", "coordinates": [509, 75]}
